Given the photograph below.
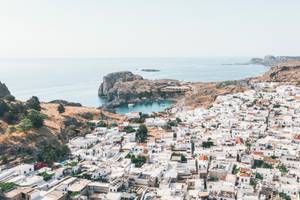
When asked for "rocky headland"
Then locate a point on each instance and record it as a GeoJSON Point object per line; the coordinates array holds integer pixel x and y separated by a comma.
{"type": "Point", "coordinates": [125, 87]}
{"type": "Point", "coordinates": [271, 60]}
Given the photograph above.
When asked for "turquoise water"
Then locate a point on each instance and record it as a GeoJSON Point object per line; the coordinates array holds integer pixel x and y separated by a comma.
{"type": "Point", "coordinates": [146, 107]}
{"type": "Point", "coordinates": [78, 79]}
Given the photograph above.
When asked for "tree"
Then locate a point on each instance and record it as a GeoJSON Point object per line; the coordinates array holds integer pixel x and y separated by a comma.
{"type": "Point", "coordinates": [36, 118]}
{"type": "Point", "coordinates": [207, 144]}
{"type": "Point", "coordinates": [9, 117]}
{"type": "Point", "coordinates": [3, 107]}
{"type": "Point", "coordinates": [101, 124]}
{"type": "Point", "coordinates": [34, 103]}
{"type": "Point", "coordinates": [9, 97]}
{"type": "Point", "coordinates": [50, 153]}
{"type": "Point", "coordinates": [18, 109]}
{"type": "Point", "coordinates": [129, 129]}
{"type": "Point", "coordinates": [142, 133]}
{"type": "Point", "coordinates": [25, 125]}
{"type": "Point", "coordinates": [183, 158]}
{"type": "Point", "coordinates": [61, 108]}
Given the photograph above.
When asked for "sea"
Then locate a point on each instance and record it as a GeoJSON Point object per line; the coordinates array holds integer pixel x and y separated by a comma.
{"type": "Point", "coordinates": [78, 79]}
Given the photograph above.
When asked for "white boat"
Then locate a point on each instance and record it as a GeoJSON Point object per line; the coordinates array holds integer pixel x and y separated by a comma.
{"type": "Point", "coordinates": [130, 105]}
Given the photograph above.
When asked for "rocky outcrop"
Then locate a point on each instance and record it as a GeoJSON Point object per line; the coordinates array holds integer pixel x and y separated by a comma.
{"type": "Point", "coordinates": [3, 90]}
{"type": "Point", "coordinates": [286, 73]}
{"type": "Point", "coordinates": [125, 87]}
{"type": "Point", "coordinates": [111, 79]}
{"type": "Point", "coordinates": [270, 60]}
{"type": "Point", "coordinates": [66, 103]}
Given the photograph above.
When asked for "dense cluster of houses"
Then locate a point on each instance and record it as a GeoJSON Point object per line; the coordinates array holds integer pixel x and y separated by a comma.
{"type": "Point", "coordinates": [245, 146]}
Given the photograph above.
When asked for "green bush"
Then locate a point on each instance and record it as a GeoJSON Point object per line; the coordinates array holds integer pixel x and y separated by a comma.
{"type": "Point", "coordinates": [9, 97]}
{"type": "Point", "coordinates": [101, 124]}
{"type": "Point", "coordinates": [113, 124]}
{"type": "Point", "coordinates": [9, 117]}
{"type": "Point", "coordinates": [3, 108]}
{"type": "Point", "coordinates": [61, 108]}
{"type": "Point", "coordinates": [5, 187]}
{"type": "Point", "coordinates": [33, 103]}
{"type": "Point", "coordinates": [46, 176]}
{"type": "Point", "coordinates": [261, 164]}
{"type": "Point", "coordinates": [36, 118]}
{"type": "Point", "coordinates": [259, 176]}
{"type": "Point", "coordinates": [50, 154]}
{"type": "Point", "coordinates": [25, 125]}
{"type": "Point", "coordinates": [207, 144]}
{"type": "Point", "coordinates": [284, 196]}
{"type": "Point", "coordinates": [129, 129]}
{"type": "Point", "coordinates": [142, 133]}
{"type": "Point", "coordinates": [282, 169]}
{"type": "Point", "coordinates": [87, 115]}
{"type": "Point", "coordinates": [18, 109]}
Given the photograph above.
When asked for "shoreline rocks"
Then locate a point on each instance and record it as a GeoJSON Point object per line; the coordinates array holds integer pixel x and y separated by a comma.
{"type": "Point", "coordinates": [125, 87]}
{"type": "Point", "coordinates": [270, 60]}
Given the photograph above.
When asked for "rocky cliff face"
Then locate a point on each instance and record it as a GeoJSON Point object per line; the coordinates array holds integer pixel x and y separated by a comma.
{"type": "Point", "coordinates": [126, 87]}
{"type": "Point", "coordinates": [3, 90]}
{"type": "Point", "coordinates": [273, 60]}
{"type": "Point", "coordinates": [111, 79]}
{"type": "Point", "coordinates": [286, 73]}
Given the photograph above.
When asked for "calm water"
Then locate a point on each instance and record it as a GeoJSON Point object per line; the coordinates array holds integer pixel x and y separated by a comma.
{"type": "Point", "coordinates": [78, 80]}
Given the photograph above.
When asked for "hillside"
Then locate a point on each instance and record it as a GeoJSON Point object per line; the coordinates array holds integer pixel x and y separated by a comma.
{"type": "Point", "coordinates": [204, 94]}
{"type": "Point", "coordinates": [18, 145]}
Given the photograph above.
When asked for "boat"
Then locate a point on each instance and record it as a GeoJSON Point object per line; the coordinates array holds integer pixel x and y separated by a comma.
{"type": "Point", "coordinates": [130, 105]}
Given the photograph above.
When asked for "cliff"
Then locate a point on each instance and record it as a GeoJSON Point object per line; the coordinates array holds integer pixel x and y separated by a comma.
{"type": "Point", "coordinates": [3, 90]}
{"type": "Point", "coordinates": [270, 60]}
{"type": "Point", "coordinates": [287, 72]}
{"type": "Point", "coordinates": [125, 87]}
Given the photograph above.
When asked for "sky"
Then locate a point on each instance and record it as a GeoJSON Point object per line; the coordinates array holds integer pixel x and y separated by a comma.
{"type": "Point", "coordinates": [148, 28]}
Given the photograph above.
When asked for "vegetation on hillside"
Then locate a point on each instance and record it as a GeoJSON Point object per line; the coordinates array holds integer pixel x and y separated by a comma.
{"type": "Point", "coordinates": [142, 133]}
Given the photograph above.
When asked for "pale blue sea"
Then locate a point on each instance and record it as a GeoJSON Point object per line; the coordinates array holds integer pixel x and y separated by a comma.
{"type": "Point", "coordinates": [78, 79]}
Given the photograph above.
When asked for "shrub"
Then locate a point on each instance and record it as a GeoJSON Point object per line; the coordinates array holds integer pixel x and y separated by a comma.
{"type": "Point", "coordinates": [114, 124]}
{"type": "Point", "coordinates": [18, 109]}
{"type": "Point", "coordinates": [3, 107]}
{"type": "Point", "coordinates": [284, 196]}
{"type": "Point", "coordinates": [61, 108]}
{"type": "Point", "coordinates": [50, 154]}
{"type": "Point", "coordinates": [259, 176]}
{"type": "Point", "coordinates": [178, 120]}
{"type": "Point", "coordinates": [129, 129]}
{"type": "Point", "coordinates": [137, 161]}
{"type": "Point", "coordinates": [207, 144]}
{"type": "Point", "coordinates": [25, 125]}
{"type": "Point", "coordinates": [5, 187]}
{"type": "Point", "coordinates": [101, 124]}
{"type": "Point", "coordinates": [282, 169]}
{"type": "Point", "coordinates": [46, 176]}
{"type": "Point", "coordinates": [87, 115]}
{"type": "Point", "coordinates": [33, 103]}
{"type": "Point", "coordinates": [36, 118]}
{"type": "Point", "coordinates": [9, 117]}
{"type": "Point", "coordinates": [183, 158]}
{"type": "Point", "coordinates": [9, 97]}
{"type": "Point", "coordinates": [142, 133]}
{"type": "Point", "coordinates": [261, 164]}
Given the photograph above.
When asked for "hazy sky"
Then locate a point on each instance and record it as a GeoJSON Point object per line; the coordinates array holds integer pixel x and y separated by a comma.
{"type": "Point", "coordinates": [149, 28]}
